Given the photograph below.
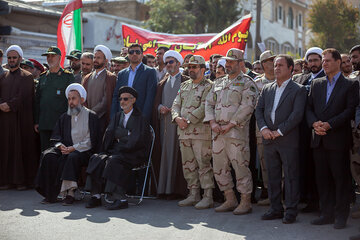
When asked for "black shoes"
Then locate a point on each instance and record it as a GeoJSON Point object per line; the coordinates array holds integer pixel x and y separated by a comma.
{"type": "Point", "coordinates": [68, 201]}
{"type": "Point", "coordinates": [289, 219]}
{"type": "Point", "coordinates": [271, 215]}
{"type": "Point", "coordinates": [94, 202]}
{"type": "Point", "coordinates": [339, 224]}
{"type": "Point", "coordinates": [117, 204]}
{"type": "Point", "coordinates": [322, 221]}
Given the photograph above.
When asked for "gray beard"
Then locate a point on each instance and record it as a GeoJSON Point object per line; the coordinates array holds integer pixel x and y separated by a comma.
{"type": "Point", "coordinates": [74, 111]}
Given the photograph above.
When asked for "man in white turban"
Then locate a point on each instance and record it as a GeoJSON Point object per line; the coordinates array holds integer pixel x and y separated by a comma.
{"type": "Point", "coordinates": [100, 86]}
{"type": "Point", "coordinates": [168, 146]}
{"type": "Point", "coordinates": [75, 138]}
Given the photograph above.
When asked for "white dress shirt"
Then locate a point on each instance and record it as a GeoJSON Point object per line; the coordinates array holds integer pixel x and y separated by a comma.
{"type": "Point", "coordinates": [127, 116]}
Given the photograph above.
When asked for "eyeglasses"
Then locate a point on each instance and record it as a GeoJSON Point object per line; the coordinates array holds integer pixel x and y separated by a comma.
{"type": "Point", "coordinates": [125, 99]}
{"type": "Point", "coordinates": [169, 62]}
{"type": "Point", "coordinates": [193, 67]}
{"type": "Point", "coordinates": [131, 52]}
{"type": "Point", "coordinates": [14, 57]}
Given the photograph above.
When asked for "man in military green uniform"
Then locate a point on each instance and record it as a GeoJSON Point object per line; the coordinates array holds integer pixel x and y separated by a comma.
{"type": "Point", "coordinates": [188, 111]}
{"type": "Point", "coordinates": [50, 100]}
{"type": "Point", "coordinates": [229, 106]}
{"type": "Point", "coordinates": [75, 64]}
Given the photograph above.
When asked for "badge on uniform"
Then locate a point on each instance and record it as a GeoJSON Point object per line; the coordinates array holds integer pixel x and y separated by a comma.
{"type": "Point", "coordinates": [58, 92]}
{"type": "Point", "coordinates": [238, 84]}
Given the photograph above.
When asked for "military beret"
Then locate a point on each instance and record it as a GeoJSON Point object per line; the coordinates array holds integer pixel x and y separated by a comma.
{"type": "Point", "coordinates": [126, 89]}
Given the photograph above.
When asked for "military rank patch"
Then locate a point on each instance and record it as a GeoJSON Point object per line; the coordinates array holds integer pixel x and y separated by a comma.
{"type": "Point", "coordinates": [238, 84]}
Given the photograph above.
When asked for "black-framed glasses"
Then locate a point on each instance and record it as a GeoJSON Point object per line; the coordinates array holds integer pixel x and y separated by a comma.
{"type": "Point", "coordinates": [125, 99]}
{"type": "Point", "coordinates": [193, 67]}
{"type": "Point", "coordinates": [169, 62]}
{"type": "Point", "coordinates": [131, 52]}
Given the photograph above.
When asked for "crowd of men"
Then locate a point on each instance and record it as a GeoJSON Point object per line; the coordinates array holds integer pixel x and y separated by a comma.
{"type": "Point", "coordinates": [299, 119]}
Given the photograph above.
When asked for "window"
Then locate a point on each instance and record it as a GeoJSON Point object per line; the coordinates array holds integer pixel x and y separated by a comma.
{"type": "Point", "coordinates": [300, 20]}
{"type": "Point", "coordinates": [280, 13]}
{"type": "Point", "coordinates": [290, 19]}
{"type": "Point", "coordinates": [271, 44]}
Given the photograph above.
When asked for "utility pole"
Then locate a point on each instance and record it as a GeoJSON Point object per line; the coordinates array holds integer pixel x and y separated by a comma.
{"type": "Point", "coordinates": [258, 23]}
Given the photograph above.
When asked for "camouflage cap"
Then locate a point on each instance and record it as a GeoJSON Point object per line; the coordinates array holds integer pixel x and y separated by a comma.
{"type": "Point", "coordinates": [53, 50]}
{"type": "Point", "coordinates": [74, 54]}
{"type": "Point", "coordinates": [120, 60]}
{"type": "Point", "coordinates": [27, 63]}
{"type": "Point", "coordinates": [234, 54]}
{"type": "Point", "coordinates": [268, 54]}
{"type": "Point", "coordinates": [196, 59]}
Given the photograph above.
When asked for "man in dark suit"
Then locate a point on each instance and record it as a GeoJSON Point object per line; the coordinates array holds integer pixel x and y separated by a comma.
{"type": "Point", "coordinates": [308, 191]}
{"type": "Point", "coordinates": [331, 105]}
{"type": "Point", "coordinates": [280, 108]}
{"type": "Point", "coordinates": [140, 77]}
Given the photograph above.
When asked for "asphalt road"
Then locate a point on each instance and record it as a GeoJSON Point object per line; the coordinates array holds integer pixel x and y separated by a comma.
{"type": "Point", "coordinates": [22, 216]}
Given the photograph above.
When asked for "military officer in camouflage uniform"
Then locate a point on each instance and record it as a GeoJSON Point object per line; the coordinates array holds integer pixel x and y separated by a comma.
{"type": "Point", "coordinates": [188, 111]}
{"type": "Point", "coordinates": [355, 151]}
{"type": "Point", "coordinates": [50, 100]}
{"type": "Point", "coordinates": [75, 64]}
{"type": "Point", "coordinates": [267, 64]}
{"type": "Point", "coordinates": [229, 106]}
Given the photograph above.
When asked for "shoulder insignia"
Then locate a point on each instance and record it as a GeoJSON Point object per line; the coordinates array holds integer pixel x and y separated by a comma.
{"type": "Point", "coordinates": [43, 73]}
{"type": "Point", "coordinates": [67, 71]}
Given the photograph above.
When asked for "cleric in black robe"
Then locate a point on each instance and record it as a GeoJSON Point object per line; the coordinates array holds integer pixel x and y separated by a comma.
{"type": "Point", "coordinates": [126, 145]}
{"type": "Point", "coordinates": [74, 139]}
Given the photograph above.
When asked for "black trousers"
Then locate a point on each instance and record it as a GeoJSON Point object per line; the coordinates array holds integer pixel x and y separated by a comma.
{"type": "Point", "coordinates": [333, 179]}
{"type": "Point", "coordinates": [280, 159]}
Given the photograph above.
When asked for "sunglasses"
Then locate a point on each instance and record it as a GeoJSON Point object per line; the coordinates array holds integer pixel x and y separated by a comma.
{"type": "Point", "coordinates": [125, 99]}
{"type": "Point", "coordinates": [193, 67]}
{"type": "Point", "coordinates": [12, 57]}
{"type": "Point", "coordinates": [131, 52]}
{"type": "Point", "coordinates": [169, 62]}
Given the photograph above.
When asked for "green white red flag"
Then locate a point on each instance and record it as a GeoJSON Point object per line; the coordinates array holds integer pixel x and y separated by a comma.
{"type": "Point", "coordinates": [69, 32]}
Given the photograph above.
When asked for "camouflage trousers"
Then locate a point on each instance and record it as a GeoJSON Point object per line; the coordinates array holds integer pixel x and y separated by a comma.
{"type": "Point", "coordinates": [236, 152]}
{"type": "Point", "coordinates": [196, 157]}
{"type": "Point", "coordinates": [260, 150]}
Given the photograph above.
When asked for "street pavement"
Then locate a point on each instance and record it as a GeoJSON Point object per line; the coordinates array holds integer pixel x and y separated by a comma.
{"type": "Point", "coordinates": [22, 216]}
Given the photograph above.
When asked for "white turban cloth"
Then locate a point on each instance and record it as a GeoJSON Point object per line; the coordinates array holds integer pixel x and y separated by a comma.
{"type": "Point", "coordinates": [174, 54]}
{"type": "Point", "coordinates": [17, 49]}
{"type": "Point", "coordinates": [313, 50]}
{"type": "Point", "coordinates": [221, 62]}
{"type": "Point", "coordinates": [76, 87]}
{"type": "Point", "coordinates": [105, 50]}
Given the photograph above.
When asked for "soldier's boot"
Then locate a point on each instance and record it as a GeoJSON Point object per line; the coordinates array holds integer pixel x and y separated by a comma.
{"type": "Point", "coordinates": [192, 199]}
{"type": "Point", "coordinates": [230, 202]}
{"type": "Point", "coordinates": [207, 201]}
{"type": "Point", "coordinates": [244, 206]}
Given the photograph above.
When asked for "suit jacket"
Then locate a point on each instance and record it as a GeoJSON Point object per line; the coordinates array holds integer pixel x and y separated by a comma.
{"type": "Point", "coordinates": [145, 82]}
{"type": "Point", "coordinates": [303, 79]}
{"type": "Point", "coordinates": [288, 115]}
{"type": "Point", "coordinates": [338, 112]}
{"type": "Point", "coordinates": [110, 81]}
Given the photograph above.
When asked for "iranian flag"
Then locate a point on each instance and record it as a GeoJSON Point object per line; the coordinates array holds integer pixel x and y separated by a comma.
{"type": "Point", "coordinates": [69, 32]}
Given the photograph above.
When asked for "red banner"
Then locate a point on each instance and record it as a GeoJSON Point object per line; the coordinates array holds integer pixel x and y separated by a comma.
{"type": "Point", "coordinates": [205, 45]}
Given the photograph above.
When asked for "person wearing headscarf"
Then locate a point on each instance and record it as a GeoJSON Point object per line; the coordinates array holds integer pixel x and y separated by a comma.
{"type": "Point", "coordinates": [75, 138]}
{"type": "Point", "coordinates": [18, 160]}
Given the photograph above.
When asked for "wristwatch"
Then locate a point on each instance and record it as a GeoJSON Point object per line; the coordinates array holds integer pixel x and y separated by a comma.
{"type": "Point", "coordinates": [188, 121]}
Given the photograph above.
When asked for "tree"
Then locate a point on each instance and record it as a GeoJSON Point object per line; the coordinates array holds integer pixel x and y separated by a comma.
{"type": "Point", "coordinates": [170, 16]}
{"type": "Point", "coordinates": [334, 23]}
{"type": "Point", "coordinates": [192, 16]}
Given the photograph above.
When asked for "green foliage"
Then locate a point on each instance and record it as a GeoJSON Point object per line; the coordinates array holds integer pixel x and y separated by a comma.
{"type": "Point", "coordinates": [334, 23]}
{"type": "Point", "coordinates": [192, 16]}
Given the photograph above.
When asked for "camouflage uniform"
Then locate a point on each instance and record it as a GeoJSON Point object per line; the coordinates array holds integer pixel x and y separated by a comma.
{"type": "Point", "coordinates": [232, 101]}
{"type": "Point", "coordinates": [355, 157]}
{"type": "Point", "coordinates": [195, 140]}
{"type": "Point", "coordinates": [260, 82]}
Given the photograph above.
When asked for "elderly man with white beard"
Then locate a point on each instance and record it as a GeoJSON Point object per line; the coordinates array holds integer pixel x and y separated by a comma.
{"type": "Point", "coordinates": [75, 138]}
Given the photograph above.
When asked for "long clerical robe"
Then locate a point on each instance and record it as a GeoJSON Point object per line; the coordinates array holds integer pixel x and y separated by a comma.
{"type": "Point", "coordinates": [55, 166]}
{"type": "Point", "coordinates": [18, 162]}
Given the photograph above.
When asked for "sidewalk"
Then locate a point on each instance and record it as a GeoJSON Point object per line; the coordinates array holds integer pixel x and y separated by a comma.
{"type": "Point", "coordinates": [22, 216]}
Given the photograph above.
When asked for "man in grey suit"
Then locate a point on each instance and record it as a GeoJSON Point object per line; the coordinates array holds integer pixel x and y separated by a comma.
{"type": "Point", "coordinates": [279, 111]}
